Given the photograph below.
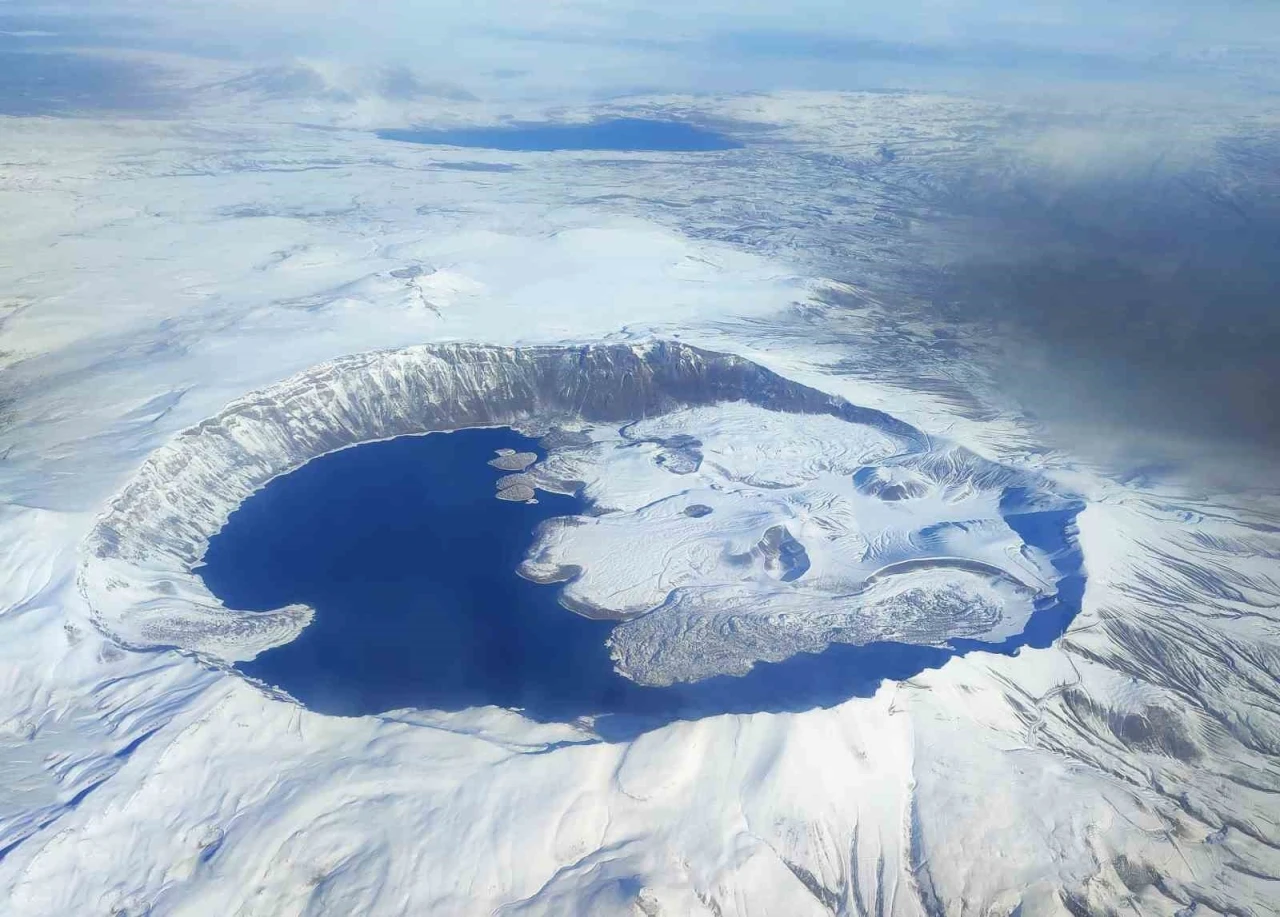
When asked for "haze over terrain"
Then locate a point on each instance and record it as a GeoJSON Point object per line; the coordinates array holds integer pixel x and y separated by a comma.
{"type": "Point", "coordinates": [1130, 178]}
{"type": "Point", "coordinates": [912, 367]}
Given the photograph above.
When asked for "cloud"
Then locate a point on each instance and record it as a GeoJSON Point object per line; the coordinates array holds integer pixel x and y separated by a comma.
{"type": "Point", "coordinates": [1128, 283]}
{"type": "Point", "coordinates": [592, 46]}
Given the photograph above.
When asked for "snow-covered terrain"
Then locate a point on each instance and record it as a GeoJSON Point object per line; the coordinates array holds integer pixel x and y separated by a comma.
{"type": "Point", "coordinates": [173, 285]}
{"type": "Point", "coordinates": [732, 534]}
{"type": "Point", "coordinates": [797, 541]}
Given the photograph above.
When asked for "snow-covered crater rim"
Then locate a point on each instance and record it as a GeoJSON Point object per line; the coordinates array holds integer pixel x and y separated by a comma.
{"type": "Point", "coordinates": [136, 572]}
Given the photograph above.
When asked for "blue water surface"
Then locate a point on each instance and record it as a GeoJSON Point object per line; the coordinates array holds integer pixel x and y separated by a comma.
{"type": "Point", "coordinates": [410, 562]}
{"type": "Point", "coordinates": [615, 134]}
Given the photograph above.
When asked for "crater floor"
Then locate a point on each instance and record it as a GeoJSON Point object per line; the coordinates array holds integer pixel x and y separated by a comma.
{"type": "Point", "coordinates": [411, 563]}
{"type": "Point", "coordinates": [735, 524]}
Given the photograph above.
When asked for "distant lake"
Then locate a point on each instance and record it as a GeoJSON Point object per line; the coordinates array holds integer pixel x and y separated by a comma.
{"type": "Point", "coordinates": [409, 561]}
{"type": "Point", "coordinates": [616, 134]}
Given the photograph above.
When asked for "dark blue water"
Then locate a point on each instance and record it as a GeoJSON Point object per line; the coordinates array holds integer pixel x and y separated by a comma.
{"type": "Point", "coordinates": [410, 564]}
{"type": "Point", "coordinates": [615, 134]}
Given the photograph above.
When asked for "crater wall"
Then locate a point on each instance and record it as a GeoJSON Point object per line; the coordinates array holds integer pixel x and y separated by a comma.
{"type": "Point", "coordinates": [137, 567]}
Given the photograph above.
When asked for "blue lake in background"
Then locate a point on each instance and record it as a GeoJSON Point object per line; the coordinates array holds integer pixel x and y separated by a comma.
{"type": "Point", "coordinates": [410, 560]}
{"type": "Point", "coordinates": [615, 134]}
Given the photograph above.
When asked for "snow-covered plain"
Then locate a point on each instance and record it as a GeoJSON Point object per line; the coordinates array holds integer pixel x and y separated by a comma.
{"type": "Point", "coordinates": [163, 271]}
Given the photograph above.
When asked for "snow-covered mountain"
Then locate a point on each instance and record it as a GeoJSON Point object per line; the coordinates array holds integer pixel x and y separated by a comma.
{"type": "Point", "coordinates": [197, 307]}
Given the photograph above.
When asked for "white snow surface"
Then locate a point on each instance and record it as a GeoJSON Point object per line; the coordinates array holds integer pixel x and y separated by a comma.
{"type": "Point", "coordinates": [162, 270]}
{"type": "Point", "coordinates": [704, 594]}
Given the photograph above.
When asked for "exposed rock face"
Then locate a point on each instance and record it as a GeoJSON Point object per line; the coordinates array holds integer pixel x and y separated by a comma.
{"type": "Point", "coordinates": [507, 481]}
{"type": "Point", "coordinates": [137, 568]}
{"type": "Point", "coordinates": [510, 460]}
{"type": "Point", "coordinates": [517, 493]}
{"type": "Point", "coordinates": [890, 484]}
{"type": "Point", "coordinates": [783, 556]}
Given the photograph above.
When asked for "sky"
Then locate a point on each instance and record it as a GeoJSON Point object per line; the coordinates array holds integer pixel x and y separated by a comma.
{"type": "Point", "coordinates": [590, 47]}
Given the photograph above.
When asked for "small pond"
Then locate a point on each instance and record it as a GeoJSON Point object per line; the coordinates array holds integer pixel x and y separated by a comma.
{"type": "Point", "coordinates": [615, 134]}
